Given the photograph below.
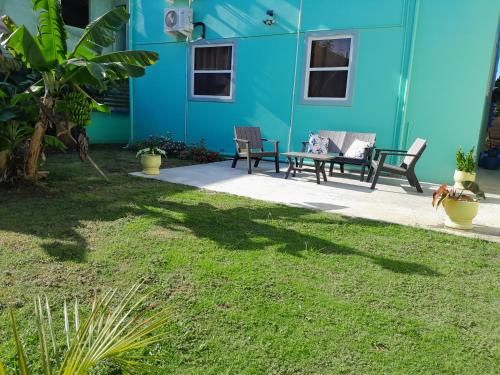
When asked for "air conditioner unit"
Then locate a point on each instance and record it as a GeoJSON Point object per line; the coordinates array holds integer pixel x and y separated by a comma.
{"type": "Point", "coordinates": [179, 20]}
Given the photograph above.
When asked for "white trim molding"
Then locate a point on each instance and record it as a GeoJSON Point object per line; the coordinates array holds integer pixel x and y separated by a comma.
{"type": "Point", "coordinates": [192, 71]}
{"type": "Point", "coordinates": [309, 38]}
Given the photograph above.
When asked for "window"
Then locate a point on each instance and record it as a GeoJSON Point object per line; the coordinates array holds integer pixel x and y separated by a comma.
{"type": "Point", "coordinates": [212, 74]}
{"type": "Point", "coordinates": [75, 13]}
{"type": "Point", "coordinates": [329, 69]}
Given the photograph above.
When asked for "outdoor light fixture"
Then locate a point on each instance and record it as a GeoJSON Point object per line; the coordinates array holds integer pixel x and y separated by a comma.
{"type": "Point", "coordinates": [270, 21]}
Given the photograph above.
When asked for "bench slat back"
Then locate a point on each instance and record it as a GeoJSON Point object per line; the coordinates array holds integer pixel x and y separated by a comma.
{"type": "Point", "coordinates": [351, 137]}
{"type": "Point", "coordinates": [249, 133]}
{"type": "Point", "coordinates": [336, 140]}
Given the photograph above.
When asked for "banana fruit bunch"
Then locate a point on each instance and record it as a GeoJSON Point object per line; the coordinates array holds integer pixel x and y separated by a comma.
{"type": "Point", "coordinates": [9, 65]}
{"type": "Point", "coordinates": [78, 108]}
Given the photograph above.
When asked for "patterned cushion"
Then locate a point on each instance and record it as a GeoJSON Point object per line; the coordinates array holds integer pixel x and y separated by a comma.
{"type": "Point", "coordinates": [318, 145]}
{"type": "Point", "coordinates": [357, 149]}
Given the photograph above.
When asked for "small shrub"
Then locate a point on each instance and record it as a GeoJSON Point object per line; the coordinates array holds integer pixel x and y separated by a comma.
{"type": "Point", "coordinates": [173, 147]}
{"type": "Point", "coordinates": [466, 162]}
{"type": "Point", "coordinates": [200, 153]}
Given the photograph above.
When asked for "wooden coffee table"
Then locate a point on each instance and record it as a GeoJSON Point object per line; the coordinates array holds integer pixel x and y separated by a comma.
{"type": "Point", "coordinates": [294, 164]}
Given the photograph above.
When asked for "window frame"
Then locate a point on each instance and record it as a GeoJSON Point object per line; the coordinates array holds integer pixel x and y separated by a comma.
{"type": "Point", "coordinates": [351, 69]}
{"type": "Point", "coordinates": [232, 89]}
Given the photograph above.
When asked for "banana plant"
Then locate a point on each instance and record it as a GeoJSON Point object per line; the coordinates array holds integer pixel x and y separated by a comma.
{"type": "Point", "coordinates": [115, 331]}
{"type": "Point", "coordinates": [87, 65]}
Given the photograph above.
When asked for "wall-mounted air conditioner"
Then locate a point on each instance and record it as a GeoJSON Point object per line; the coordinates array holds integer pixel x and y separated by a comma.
{"type": "Point", "coordinates": [178, 20]}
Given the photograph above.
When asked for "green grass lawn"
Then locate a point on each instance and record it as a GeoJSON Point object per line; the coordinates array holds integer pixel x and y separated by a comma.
{"type": "Point", "coordinates": [251, 287]}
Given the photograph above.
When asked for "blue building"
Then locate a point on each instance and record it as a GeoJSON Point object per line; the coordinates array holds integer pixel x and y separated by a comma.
{"type": "Point", "coordinates": [400, 68]}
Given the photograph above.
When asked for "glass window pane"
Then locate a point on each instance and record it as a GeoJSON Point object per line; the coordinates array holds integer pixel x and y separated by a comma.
{"type": "Point", "coordinates": [328, 84]}
{"type": "Point", "coordinates": [330, 53]}
{"type": "Point", "coordinates": [213, 58]}
{"type": "Point", "coordinates": [212, 84]}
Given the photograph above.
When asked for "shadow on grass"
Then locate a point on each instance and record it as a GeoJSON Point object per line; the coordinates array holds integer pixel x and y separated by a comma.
{"type": "Point", "coordinates": [244, 229]}
{"type": "Point", "coordinates": [57, 221]}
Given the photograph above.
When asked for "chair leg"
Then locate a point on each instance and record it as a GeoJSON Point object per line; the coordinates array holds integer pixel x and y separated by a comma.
{"type": "Point", "coordinates": [362, 173]}
{"type": "Point", "coordinates": [249, 164]}
{"type": "Point", "coordinates": [370, 174]}
{"type": "Point", "coordinates": [235, 160]}
{"type": "Point", "coordinates": [342, 168]}
{"type": "Point", "coordinates": [331, 169]}
{"type": "Point", "coordinates": [375, 178]}
{"type": "Point", "coordinates": [277, 163]}
{"type": "Point", "coordinates": [412, 179]}
{"type": "Point", "coordinates": [257, 161]}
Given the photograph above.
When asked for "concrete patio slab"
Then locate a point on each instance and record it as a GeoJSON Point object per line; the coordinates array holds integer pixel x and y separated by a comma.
{"type": "Point", "coordinates": [394, 201]}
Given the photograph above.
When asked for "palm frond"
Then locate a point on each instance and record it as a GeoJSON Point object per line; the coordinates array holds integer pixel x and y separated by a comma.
{"type": "Point", "coordinates": [138, 58]}
{"type": "Point", "coordinates": [51, 30]}
{"type": "Point", "coordinates": [112, 332]}
{"type": "Point", "coordinates": [100, 33]}
{"type": "Point", "coordinates": [21, 356]}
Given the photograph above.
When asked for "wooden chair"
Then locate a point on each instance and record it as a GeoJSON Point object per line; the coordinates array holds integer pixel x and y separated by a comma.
{"type": "Point", "coordinates": [494, 134]}
{"type": "Point", "coordinates": [406, 168]}
{"type": "Point", "coordinates": [250, 145]}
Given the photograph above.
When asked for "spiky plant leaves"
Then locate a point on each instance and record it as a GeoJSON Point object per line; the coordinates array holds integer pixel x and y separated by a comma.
{"type": "Point", "coordinates": [21, 356]}
{"type": "Point", "coordinates": [112, 332]}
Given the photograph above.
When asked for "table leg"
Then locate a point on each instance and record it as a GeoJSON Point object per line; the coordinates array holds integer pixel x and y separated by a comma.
{"type": "Point", "coordinates": [323, 165]}
{"type": "Point", "coordinates": [317, 168]}
{"type": "Point", "coordinates": [290, 167]}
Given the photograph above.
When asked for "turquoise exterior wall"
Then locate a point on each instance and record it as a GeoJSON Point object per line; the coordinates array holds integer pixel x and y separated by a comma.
{"type": "Point", "coordinates": [423, 69]}
{"type": "Point", "coordinates": [109, 128]}
{"type": "Point", "coordinates": [455, 49]}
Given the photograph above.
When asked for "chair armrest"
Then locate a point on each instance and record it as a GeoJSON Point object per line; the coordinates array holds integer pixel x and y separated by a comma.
{"type": "Point", "coordinates": [241, 140]}
{"type": "Point", "coordinates": [397, 154]}
{"type": "Point", "coordinates": [379, 151]}
{"type": "Point", "coordinates": [388, 150]}
{"type": "Point", "coordinates": [269, 140]}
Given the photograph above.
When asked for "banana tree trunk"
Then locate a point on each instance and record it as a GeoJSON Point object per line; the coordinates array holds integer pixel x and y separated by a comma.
{"type": "Point", "coordinates": [35, 147]}
{"type": "Point", "coordinates": [4, 159]}
{"type": "Point", "coordinates": [34, 151]}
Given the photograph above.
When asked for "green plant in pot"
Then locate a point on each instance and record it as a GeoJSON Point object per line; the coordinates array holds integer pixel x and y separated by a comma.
{"type": "Point", "coordinates": [466, 168]}
{"type": "Point", "coordinates": [151, 155]}
{"type": "Point", "coordinates": [460, 204]}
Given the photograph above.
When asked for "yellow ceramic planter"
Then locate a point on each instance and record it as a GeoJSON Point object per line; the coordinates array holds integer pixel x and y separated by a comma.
{"type": "Point", "coordinates": [460, 213]}
{"type": "Point", "coordinates": [151, 164]}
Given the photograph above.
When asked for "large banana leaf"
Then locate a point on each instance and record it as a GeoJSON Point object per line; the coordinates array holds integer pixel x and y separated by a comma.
{"type": "Point", "coordinates": [51, 30]}
{"type": "Point", "coordinates": [112, 66]}
{"type": "Point", "coordinates": [138, 58]}
{"type": "Point", "coordinates": [26, 48]}
{"type": "Point", "coordinates": [100, 33]}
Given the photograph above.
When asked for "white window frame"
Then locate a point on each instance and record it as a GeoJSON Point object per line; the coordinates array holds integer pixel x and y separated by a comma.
{"type": "Point", "coordinates": [345, 101]}
{"type": "Point", "coordinates": [214, 98]}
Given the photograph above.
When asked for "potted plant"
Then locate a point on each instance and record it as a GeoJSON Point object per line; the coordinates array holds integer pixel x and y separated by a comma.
{"type": "Point", "coordinates": [466, 168]}
{"type": "Point", "coordinates": [151, 156]}
{"type": "Point", "coordinates": [461, 205]}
